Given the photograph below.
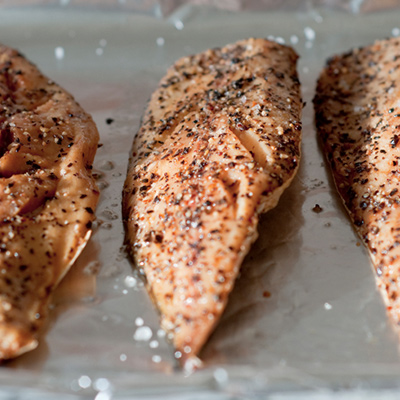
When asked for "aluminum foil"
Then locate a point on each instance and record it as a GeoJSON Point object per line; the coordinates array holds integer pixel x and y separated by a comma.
{"type": "Point", "coordinates": [305, 319]}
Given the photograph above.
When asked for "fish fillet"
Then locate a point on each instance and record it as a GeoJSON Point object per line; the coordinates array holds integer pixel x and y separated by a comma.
{"type": "Point", "coordinates": [219, 142]}
{"type": "Point", "coordinates": [357, 106]}
{"type": "Point", "coordinates": [47, 195]}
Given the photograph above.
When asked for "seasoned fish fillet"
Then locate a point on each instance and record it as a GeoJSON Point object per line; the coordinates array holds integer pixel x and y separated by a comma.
{"type": "Point", "coordinates": [47, 195]}
{"type": "Point", "coordinates": [357, 106]}
{"type": "Point", "coordinates": [219, 143]}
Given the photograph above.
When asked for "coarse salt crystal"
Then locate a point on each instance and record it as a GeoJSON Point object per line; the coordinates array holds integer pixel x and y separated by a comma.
{"type": "Point", "coordinates": [139, 321]}
{"type": "Point", "coordinates": [84, 382]}
{"type": "Point", "coordinates": [101, 384]}
{"type": "Point", "coordinates": [59, 53]}
{"type": "Point", "coordinates": [156, 359]}
{"type": "Point", "coordinates": [309, 33]}
{"type": "Point", "coordinates": [221, 375]}
{"type": "Point", "coordinates": [143, 333]}
{"type": "Point", "coordinates": [153, 344]}
{"type": "Point", "coordinates": [179, 25]}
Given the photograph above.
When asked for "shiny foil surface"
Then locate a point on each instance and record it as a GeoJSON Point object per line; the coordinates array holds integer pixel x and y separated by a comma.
{"type": "Point", "coordinates": [305, 319]}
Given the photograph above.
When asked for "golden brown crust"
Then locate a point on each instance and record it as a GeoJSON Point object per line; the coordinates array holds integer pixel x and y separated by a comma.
{"type": "Point", "coordinates": [47, 195]}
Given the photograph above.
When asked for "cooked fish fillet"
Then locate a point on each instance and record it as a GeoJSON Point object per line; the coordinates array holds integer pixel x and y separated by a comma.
{"type": "Point", "coordinates": [219, 143]}
{"type": "Point", "coordinates": [357, 106]}
{"type": "Point", "coordinates": [47, 195]}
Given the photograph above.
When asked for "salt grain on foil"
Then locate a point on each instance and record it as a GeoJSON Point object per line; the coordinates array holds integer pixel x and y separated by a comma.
{"type": "Point", "coordinates": [309, 33]}
{"type": "Point", "coordinates": [156, 359]}
{"type": "Point", "coordinates": [153, 344]}
{"type": "Point", "coordinates": [130, 281]}
{"type": "Point", "coordinates": [221, 375]}
{"type": "Point", "coordinates": [143, 334]}
{"type": "Point", "coordinates": [84, 382]}
{"type": "Point", "coordinates": [318, 19]}
{"type": "Point", "coordinates": [294, 39]}
{"type": "Point", "coordinates": [139, 321]}
{"type": "Point", "coordinates": [179, 25]}
{"type": "Point", "coordinates": [101, 384]}
{"type": "Point", "coordinates": [103, 396]}
{"type": "Point", "coordinates": [395, 32]}
{"type": "Point", "coordinates": [327, 306]}
{"type": "Point", "coordinates": [178, 354]}
{"type": "Point", "coordinates": [59, 53]}
{"type": "Point", "coordinates": [160, 41]}
{"type": "Point", "coordinates": [161, 333]}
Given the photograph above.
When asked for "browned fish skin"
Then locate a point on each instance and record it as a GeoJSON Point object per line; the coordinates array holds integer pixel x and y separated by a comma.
{"type": "Point", "coordinates": [219, 142]}
{"type": "Point", "coordinates": [47, 195]}
{"type": "Point", "coordinates": [357, 107]}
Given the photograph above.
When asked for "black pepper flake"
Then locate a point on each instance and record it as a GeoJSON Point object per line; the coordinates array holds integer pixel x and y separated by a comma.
{"type": "Point", "coordinates": [109, 121]}
{"type": "Point", "coordinates": [89, 210]}
{"type": "Point", "coordinates": [394, 141]}
{"type": "Point", "coordinates": [238, 84]}
{"type": "Point", "coordinates": [317, 209]}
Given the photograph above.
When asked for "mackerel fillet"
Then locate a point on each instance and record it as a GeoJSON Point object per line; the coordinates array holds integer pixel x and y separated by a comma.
{"type": "Point", "coordinates": [357, 108]}
{"type": "Point", "coordinates": [219, 142]}
{"type": "Point", "coordinates": [47, 195]}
